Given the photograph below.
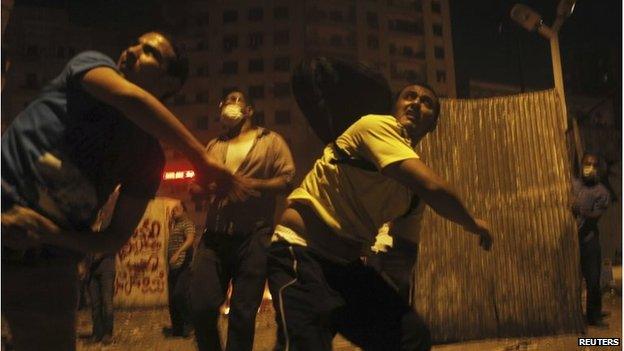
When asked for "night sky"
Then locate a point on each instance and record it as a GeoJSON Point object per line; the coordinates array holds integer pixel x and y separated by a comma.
{"type": "Point", "coordinates": [487, 44]}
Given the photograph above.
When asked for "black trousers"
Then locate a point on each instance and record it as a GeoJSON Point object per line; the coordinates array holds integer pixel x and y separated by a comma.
{"type": "Point", "coordinates": [314, 299]}
{"type": "Point", "coordinates": [101, 289]}
{"type": "Point", "coordinates": [397, 266]}
{"type": "Point", "coordinates": [591, 267]}
{"type": "Point", "coordinates": [219, 259]}
{"type": "Point", "coordinates": [178, 283]}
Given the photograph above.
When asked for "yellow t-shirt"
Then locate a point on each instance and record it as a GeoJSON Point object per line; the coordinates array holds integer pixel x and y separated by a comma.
{"type": "Point", "coordinates": [354, 202]}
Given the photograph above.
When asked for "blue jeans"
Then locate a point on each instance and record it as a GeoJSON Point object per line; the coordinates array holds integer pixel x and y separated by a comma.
{"type": "Point", "coordinates": [101, 287]}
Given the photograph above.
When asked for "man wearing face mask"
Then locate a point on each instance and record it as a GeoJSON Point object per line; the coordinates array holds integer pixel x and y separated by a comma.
{"type": "Point", "coordinates": [233, 247]}
{"type": "Point", "coordinates": [591, 199]}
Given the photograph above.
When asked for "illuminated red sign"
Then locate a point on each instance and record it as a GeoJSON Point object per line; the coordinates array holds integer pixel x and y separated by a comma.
{"type": "Point", "coordinates": [176, 175]}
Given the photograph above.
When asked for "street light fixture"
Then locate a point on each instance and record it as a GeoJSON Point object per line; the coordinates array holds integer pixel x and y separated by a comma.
{"type": "Point", "coordinates": [530, 20]}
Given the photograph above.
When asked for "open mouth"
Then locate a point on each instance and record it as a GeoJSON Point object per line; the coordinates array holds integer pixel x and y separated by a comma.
{"type": "Point", "coordinates": [412, 113]}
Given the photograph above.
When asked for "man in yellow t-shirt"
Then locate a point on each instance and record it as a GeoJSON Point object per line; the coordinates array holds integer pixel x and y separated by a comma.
{"type": "Point", "coordinates": [368, 177]}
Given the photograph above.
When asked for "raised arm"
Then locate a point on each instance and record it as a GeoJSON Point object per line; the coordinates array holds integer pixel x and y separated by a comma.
{"type": "Point", "coordinates": [151, 115]}
{"type": "Point", "coordinates": [437, 193]}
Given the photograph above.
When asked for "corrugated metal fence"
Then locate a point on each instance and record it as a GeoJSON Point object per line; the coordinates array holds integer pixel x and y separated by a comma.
{"type": "Point", "coordinates": [507, 159]}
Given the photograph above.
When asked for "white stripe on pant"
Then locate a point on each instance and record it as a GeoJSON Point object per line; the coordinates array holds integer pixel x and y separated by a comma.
{"type": "Point", "coordinates": [281, 301]}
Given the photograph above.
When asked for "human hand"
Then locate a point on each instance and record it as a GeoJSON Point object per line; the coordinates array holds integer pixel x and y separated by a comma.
{"type": "Point", "coordinates": [482, 229]}
{"type": "Point", "coordinates": [174, 258]}
{"type": "Point", "coordinates": [82, 270]}
{"type": "Point", "coordinates": [23, 228]}
{"type": "Point", "coordinates": [239, 190]}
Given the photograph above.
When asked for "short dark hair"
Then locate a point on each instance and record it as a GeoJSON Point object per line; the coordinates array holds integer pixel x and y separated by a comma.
{"type": "Point", "coordinates": [591, 154]}
{"type": "Point", "coordinates": [178, 66]}
{"type": "Point", "coordinates": [436, 107]}
{"type": "Point", "coordinates": [248, 99]}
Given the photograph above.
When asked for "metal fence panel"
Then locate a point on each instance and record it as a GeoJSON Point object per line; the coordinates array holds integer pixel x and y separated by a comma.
{"type": "Point", "coordinates": [507, 159]}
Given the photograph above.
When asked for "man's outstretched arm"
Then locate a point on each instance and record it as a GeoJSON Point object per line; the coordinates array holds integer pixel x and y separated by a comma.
{"type": "Point", "coordinates": [151, 115]}
{"type": "Point", "coordinates": [126, 217]}
{"type": "Point", "coordinates": [438, 194]}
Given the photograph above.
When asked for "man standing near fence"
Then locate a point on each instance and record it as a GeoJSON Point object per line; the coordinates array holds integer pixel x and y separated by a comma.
{"type": "Point", "coordinates": [591, 199]}
{"type": "Point", "coordinates": [233, 246]}
{"type": "Point", "coordinates": [370, 175]}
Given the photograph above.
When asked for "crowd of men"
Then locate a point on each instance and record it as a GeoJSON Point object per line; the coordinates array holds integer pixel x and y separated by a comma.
{"type": "Point", "coordinates": [98, 125]}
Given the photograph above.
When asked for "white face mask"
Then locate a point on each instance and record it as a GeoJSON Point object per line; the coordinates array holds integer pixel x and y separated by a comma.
{"type": "Point", "coordinates": [589, 172]}
{"type": "Point", "coordinates": [231, 115]}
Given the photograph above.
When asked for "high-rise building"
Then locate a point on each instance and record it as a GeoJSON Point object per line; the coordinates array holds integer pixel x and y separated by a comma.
{"type": "Point", "coordinates": [37, 43]}
{"type": "Point", "coordinates": [253, 45]}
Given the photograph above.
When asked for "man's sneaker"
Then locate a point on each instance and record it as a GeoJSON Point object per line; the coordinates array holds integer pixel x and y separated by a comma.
{"type": "Point", "coordinates": [107, 340]}
{"type": "Point", "coordinates": [598, 323]}
{"type": "Point", "coordinates": [167, 331]}
{"type": "Point", "coordinates": [93, 339]}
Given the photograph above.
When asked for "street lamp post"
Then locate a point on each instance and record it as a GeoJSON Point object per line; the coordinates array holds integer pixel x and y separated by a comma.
{"type": "Point", "coordinates": [532, 21]}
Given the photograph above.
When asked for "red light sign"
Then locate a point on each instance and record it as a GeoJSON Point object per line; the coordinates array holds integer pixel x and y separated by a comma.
{"type": "Point", "coordinates": [177, 175]}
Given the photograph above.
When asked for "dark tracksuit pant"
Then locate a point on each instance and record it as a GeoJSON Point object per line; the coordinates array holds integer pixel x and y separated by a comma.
{"type": "Point", "coordinates": [397, 266]}
{"type": "Point", "coordinates": [589, 242]}
{"type": "Point", "coordinates": [178, 284]}
{"type": "Point", "coordinates": [218, 259]}
{"type": "Point", "coordinates": [315, 298]}
{"type": "Point", "coordinates": [101, 288]}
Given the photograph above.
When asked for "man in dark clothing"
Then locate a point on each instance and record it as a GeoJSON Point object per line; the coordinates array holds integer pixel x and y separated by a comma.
{"type": "Point", "coordinates": [233, 247]}
{"type": "Point", "coordinates": [591, 199]}
{"type": "Point", "coordinates": [179, 255]}
{"type": "Point", "coordinates": [101, 288]}
{"type": "Point", "coordinates": [93, 127]}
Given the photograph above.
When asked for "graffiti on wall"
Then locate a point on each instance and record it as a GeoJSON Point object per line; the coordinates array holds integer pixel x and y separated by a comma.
{"type": "Point", "coordinates": [141, 278]}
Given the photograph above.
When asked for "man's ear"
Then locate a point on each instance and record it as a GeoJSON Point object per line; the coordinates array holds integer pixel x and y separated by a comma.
{"type": "Point", "coordinates": [249, 110]}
